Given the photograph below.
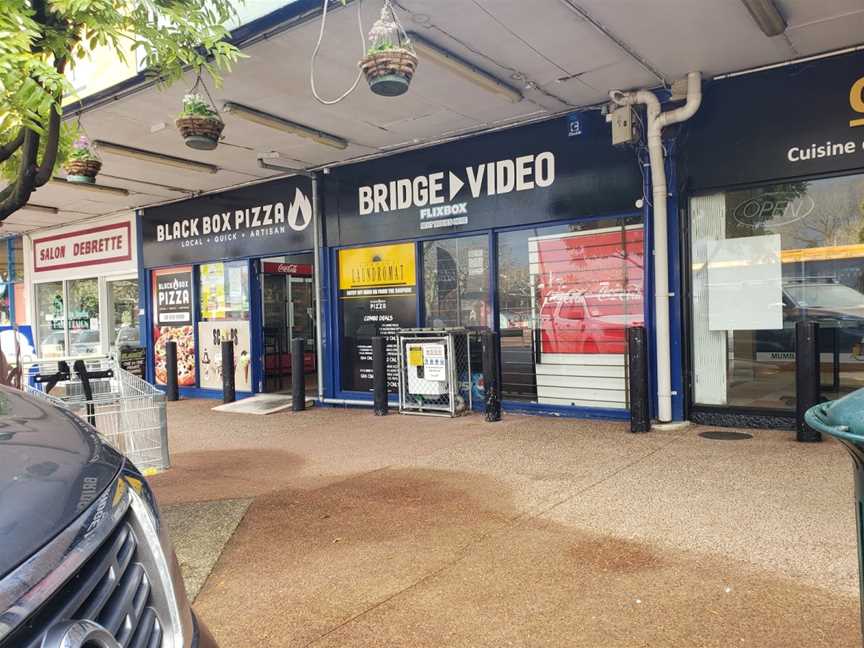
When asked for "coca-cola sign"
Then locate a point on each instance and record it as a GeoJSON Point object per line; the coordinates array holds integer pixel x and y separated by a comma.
{"type": "Point", "coordinates": [303, 269]}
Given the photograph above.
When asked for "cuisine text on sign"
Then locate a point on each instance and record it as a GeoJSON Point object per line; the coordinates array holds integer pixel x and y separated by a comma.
{"type": "Point", "coordinates": [92, 246]}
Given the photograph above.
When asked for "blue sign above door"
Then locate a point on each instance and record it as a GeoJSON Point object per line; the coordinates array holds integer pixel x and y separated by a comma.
{"type": "Point", "coordinates": [524, 175]}
{"type": "Point", "coordinates": [261, 220]}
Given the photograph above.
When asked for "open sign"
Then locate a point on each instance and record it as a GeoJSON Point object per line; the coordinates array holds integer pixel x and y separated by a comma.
{"type": "Point", "coordinates": [778, 208]}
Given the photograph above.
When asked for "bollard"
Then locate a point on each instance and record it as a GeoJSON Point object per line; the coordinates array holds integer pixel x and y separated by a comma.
{"type": "Point", "coordinates": [172, 391]}
{"type": "Point", "coordinates": [229, 394]}
{"type": "Point", "coordinates": [379, 375]}
{"type": "Point", "coordinates": [637, 365]}
{"type": "Point", "coordinates": [298, 375]}
{"type": "Point", "coordinates": [807, 378]}
{"type": "Point", "coordinates": [491, 376]}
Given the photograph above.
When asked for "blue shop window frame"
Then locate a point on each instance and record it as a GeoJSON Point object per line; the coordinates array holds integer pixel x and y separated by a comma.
{"type": "Point", "coordinates": [255, 315]}
{"type": "Point", "coordinates": [334, 329]}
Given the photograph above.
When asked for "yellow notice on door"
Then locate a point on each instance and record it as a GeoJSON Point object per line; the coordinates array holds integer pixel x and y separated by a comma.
{"type": "Point", "coordinates": [415, 356]}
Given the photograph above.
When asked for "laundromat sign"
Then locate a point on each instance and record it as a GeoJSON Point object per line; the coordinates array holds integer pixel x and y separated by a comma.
{"type": "Point", "coordinates": [261, 220]}
{"type": "Point", "coordinates": [91, 246]}
{"type": "Point", "coordinates": [530, 174]}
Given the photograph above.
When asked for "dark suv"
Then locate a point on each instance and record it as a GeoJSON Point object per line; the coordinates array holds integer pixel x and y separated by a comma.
{"type": "Point", "coordinates": [85, 561]}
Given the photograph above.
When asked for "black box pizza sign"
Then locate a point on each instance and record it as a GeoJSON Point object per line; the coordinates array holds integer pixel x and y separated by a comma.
{"type": "Point", "coordinates": [174, 298]}
{"type": "Point", "coordinates": [262, 220]}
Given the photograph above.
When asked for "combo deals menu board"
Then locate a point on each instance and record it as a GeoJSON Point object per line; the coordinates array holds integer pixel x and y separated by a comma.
{"type": "Point", "coordinates": [378, 295]}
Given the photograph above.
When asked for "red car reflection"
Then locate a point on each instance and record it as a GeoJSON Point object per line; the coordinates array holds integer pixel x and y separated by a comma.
{"type": "Point", "coordinates": [574, 322]}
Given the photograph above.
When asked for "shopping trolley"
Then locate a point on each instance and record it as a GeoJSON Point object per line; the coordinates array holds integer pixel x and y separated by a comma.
{"type": "Point", "coordinates": [128, 412]}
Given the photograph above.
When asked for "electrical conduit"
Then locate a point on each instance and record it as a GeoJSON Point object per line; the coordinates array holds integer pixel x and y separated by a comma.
{"type": "Point", "coordinates": [658, 120]}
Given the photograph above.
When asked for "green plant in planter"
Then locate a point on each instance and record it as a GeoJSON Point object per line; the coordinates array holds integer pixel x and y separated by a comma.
{"type": "Point", "coordinates": [195, 106]}
{"type": "Point", "coordinates": [82, 164]}
{"type": "Point", "coordinates": [390, 59]}
{"type": "Point", "coordinates": [199, 123]}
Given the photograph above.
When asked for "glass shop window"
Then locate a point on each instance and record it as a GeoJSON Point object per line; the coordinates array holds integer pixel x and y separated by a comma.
{"type": "Point", "coordinates": [50, 320]}
{"type": "Point", "coordinates": [762, 260]}
{"type": "Point", "coordinates": [82, 320]}
{"type": "Point", "coordinates": [456, 282]}
{"type": "Point", "coordinates": [566, 295]}
{"type": "Point", "coordinates": [224, 291]}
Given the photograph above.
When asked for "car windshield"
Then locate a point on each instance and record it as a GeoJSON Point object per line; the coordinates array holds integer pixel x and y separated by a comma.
{"type": "Point", "coordinates": [825, 296]}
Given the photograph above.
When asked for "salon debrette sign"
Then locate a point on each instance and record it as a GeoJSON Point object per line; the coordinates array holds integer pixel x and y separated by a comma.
{"type": "Point", "coordinates": [270, 218]}
{"type": "Point", "coordinates": [84, 247]}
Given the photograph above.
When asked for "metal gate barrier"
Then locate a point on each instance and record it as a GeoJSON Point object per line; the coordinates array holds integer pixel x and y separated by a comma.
{"type": "Point", "coordinates": [435, 377]}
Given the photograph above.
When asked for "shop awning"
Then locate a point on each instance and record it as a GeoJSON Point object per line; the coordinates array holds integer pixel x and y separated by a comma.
{"type": "Point", "coordinates": [560, 55]}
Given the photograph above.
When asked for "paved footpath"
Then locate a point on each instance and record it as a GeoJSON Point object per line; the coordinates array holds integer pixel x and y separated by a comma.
{"type": "Point", "coordinates": [334, 527]}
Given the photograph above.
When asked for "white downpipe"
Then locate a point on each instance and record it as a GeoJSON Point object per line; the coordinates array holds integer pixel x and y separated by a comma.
{"type": "Point", "coordinates": [656, 122]}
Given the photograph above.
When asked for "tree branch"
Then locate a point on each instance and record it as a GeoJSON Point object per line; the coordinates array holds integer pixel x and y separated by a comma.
{"type": "Point", "coordinates": [23, 186]}
{"type": "Point", "coordinates": [6, 150]}
{"type": "Point", "coordinates": [49, 157]}
{"type": "Point", "coordinates": [45, 168]}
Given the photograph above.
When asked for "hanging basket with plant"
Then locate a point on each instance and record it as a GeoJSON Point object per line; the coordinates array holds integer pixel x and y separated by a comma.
{"type": "Point", "coordinates": [390, 59]}
{"type": "Point", "coordinates": [83, 165]}
{"type": "Point", "coordinates": [199, 123]}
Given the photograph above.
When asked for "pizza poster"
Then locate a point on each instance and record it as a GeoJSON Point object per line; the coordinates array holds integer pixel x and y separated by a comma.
{"type": "Point", "coordinates": [173, 302]}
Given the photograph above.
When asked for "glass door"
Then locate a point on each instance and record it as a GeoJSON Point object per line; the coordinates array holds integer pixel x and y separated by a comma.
{"type": "Point", "coordinates": [288, 312]}
{"type": "Point", "coordinates": [276, 333]}
{"type": "Point", "coordinates": [122, 314]}
{"type": "Point", "coordinates": [51, 320]}
{"type": "Point", "coordinates": [301, 300]}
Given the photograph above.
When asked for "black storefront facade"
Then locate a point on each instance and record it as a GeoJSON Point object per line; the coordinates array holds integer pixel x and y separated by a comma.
{"type": "Point", "coordinates": [533, 232]}
{"type": "Point", "coordinates": [771, 171]}
{"type": "Point", "coordinates": [236, 265]}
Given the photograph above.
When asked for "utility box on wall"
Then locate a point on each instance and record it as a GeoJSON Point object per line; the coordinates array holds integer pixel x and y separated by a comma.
{"type": "Point", "coordinates": [622, 126]}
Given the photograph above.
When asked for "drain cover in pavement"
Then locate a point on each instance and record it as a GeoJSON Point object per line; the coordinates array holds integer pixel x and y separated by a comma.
{"type": "Point", "coordinates": [721, 435]}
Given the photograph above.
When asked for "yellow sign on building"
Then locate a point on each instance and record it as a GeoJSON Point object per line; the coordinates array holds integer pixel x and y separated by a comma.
{"type": "Point", "coordinates": [381, 265]}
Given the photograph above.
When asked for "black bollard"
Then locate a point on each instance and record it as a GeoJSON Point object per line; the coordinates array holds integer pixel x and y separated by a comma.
{"type": "Point", "coordinates": [807, 378]}
{"type": "Point", "coordinates": [172, 391]}
{"type": "Point", "coordinates": [637, 365]}
{"type": "Point", "coordinates": [298, 375]}
{"type": "Point", "coordinates": [229, 393]}
{"type": "Point", "coordinates": [379, 375]}
{"type": "Point", "coordinates": [491, 376]}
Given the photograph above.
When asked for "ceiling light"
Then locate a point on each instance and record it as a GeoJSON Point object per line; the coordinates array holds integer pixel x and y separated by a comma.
{"type": "Point", "coordinates": [118, 191]}
{"type": "Point", "coordinates": [428, 50]}
{"type": "Point", "coordinates": [284, 125]}
{"type": "Point", "coordinates": [766, 15]}
{"type": "Point", "coordinates": [40, 208]}
{"type": "Point", "coordinates": [152, 156]}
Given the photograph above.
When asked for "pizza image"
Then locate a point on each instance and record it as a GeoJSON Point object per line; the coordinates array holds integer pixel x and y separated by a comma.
{"type": "Point", "coordinates": [184, 336]}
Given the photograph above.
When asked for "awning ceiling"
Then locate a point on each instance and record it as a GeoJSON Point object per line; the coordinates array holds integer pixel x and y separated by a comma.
{"type": "Point", "coordinates": [559, 53]}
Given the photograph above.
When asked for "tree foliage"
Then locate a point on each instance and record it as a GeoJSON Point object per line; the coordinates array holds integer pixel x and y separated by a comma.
{"type": "Point", "coordinates": [41, 40]}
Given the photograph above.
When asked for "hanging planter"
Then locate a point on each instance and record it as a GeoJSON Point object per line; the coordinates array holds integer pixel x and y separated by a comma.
{"type": "Point", "coordinates": [199, 123]}
{"type": "Point", "coordinates": [390, 60]}
{"type": "Point", "coordinates": [83, 164]}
